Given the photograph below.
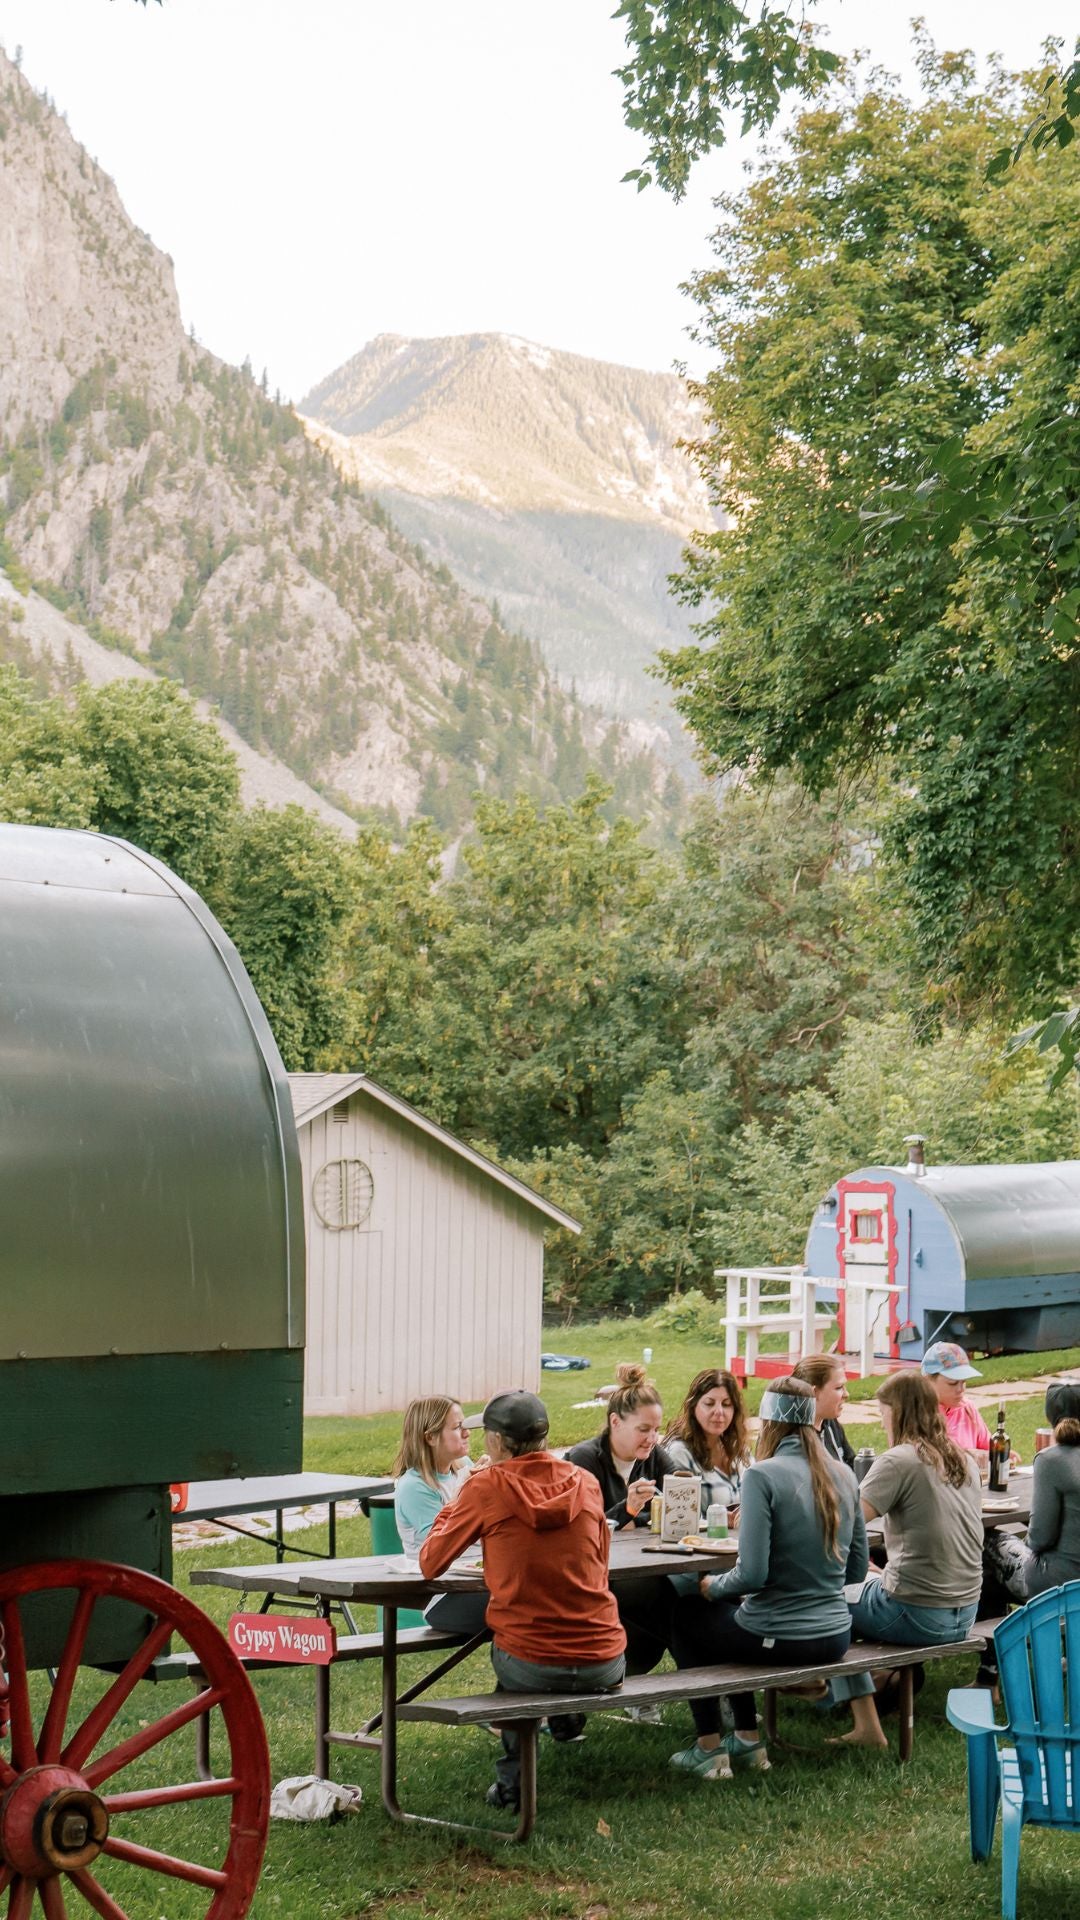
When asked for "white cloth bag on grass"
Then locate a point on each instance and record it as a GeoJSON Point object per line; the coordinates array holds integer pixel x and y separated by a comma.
{"type": "Point", "coordinates": [306, 1797]}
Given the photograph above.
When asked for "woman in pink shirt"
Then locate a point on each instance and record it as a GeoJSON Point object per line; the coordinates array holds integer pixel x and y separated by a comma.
{"type": "Point", "coordinates": [948, 1370]}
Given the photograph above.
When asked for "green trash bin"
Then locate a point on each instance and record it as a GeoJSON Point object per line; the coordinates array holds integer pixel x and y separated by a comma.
{"type": "Point", "coordinates": [385, 1538]}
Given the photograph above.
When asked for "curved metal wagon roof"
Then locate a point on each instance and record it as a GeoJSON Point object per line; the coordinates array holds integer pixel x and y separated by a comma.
{"type": "Point", "coordinates": [1010, 1221]}
{"type": "Point", "coordinates": [149, 1174]}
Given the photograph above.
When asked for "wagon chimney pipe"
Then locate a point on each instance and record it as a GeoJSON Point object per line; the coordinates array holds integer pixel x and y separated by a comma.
{"type": "Point", "coordinates": [916, 1155]}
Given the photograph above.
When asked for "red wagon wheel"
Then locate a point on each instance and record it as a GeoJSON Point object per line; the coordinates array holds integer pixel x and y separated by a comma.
{"type": "Point", "coordinates": [58, 1800]}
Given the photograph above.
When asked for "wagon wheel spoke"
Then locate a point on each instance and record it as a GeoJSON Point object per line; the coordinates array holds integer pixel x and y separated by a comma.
{"type": "Point", "coordinates": [168, 1796]}
{"type": "Point", "coordinates": [82, 1744]}
{"type": "Point", "coordinates": [23, 1752]}
{"type": "Point", "coordinates": [95, 1895]}
{"type": "Point", "coordinates": [102, 1746]}
{"type": "Point", "coordinates": [147, 1737]}
{"type": "Point", "coordinates": [52, 1727]}
{"type": "Point", "coordinates": [52, 1899]}
{"type": "Point", "coordinates": [165, 1863]}
{"type": "Point", "coordinates": [21, 1899]}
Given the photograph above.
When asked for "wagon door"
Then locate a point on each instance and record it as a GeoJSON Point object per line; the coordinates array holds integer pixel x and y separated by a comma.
{"type": "Point", "coordinates": [866, 1251]}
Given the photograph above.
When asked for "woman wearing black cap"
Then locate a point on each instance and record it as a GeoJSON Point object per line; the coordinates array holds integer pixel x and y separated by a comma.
{"type": "Point", "coordinates": [1052, 1553]}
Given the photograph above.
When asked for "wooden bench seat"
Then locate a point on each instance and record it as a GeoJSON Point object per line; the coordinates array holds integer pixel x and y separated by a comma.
{"type": "Point", "coordinates": [526, 1710]}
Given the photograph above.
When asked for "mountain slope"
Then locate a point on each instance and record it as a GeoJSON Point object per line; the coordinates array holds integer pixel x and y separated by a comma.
{"type": "Point", "coordinates": [547, 480]}
{"type": "Point", "coordinates": [38, 638]}
{"type": "Point", "coordinates": [181, 513]}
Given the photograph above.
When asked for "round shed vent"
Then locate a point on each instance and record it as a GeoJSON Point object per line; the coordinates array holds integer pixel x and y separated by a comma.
{"type": "Point", "coordinates": [343, 1191]}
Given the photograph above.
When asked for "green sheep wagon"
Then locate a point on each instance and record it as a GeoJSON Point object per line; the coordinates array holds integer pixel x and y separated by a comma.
{"type": "Point", "coordinates": [151, 1332]}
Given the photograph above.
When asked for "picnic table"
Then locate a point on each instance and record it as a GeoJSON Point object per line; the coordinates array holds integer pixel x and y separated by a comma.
{"type": "Point", "coordinates": [218, 1500]}
{"type": "Point", "coordinates": [392, 1583]}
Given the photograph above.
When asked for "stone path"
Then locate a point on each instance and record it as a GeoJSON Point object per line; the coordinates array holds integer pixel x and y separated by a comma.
{"type": "Point", "coordinates": [860, 1412]}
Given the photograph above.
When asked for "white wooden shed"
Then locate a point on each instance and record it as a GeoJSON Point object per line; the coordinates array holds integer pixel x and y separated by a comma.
{"type": "Point", "coordinates": [425, 1260]}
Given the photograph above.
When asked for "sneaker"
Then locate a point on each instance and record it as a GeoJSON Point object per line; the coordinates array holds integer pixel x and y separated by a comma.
{"type": "Point", "coordinates": [714, 1765]}
{"type": "Point", "coordinates": [753, 1754]}
{"type": "Point", "coordinates": [499, 1796]}
{"type": "Point", "coordinates": [647, 1716]}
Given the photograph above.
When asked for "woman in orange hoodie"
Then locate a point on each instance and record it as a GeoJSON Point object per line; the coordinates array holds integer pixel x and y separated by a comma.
{"type": "Point", "coordinates": [554, 1623]}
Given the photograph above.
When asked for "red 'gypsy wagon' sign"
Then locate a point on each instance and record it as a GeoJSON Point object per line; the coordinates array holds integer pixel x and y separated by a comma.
{"type": "Point", "coordinates": [277, 1636]}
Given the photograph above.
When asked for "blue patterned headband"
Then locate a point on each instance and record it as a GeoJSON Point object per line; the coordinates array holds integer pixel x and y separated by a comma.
{"type": "Point", "coordinates": [791, 1409]}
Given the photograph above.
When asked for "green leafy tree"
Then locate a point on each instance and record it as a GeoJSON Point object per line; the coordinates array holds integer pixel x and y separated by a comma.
{"type": "Point", "coordinates": [43, 778]}
{"type": "Point", "coordinates": [163, 777]}
{"type": "Point", "coordinates": [873, 299]}
{"type": "Point", "coordinates": [972, 1107]}
{"type": "Point", "coordinates": [283, 895]}
{"type": "Point", "coordinates": [694, 63]}
{"type": "Point", "coordinates": [776, 913]}
{"type": "Point", "coordinates": [536, 993]}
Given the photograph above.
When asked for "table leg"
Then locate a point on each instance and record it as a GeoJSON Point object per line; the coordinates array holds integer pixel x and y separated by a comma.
{"type": "Point", "coordinates": [388, 1754]}
{"type": "Point", "coordinates": [279, 1543]}
{"type": "Point", "coordinates": [322, 1708]}
{"type": "Point", "coordinates": [333, 1529]}
{"type": "Point", "coordinates": [907, 1711]}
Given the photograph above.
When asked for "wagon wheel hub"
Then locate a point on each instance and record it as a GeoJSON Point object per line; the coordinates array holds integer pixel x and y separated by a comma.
{"type": "Point", "coordinates": [50, 1822]}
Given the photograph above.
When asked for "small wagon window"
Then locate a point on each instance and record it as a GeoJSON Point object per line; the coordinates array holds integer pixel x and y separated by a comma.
{"type": "Point", "coordinates": [866, 1225]}
{"type": "Point", "coordinates": [343, 1191]}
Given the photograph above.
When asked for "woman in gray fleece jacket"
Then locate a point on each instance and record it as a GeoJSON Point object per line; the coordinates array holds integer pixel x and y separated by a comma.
{"type": "Point", "coordinates": [1052, 1553]}
{"type": "Point", "coordinates": [801, 1538]}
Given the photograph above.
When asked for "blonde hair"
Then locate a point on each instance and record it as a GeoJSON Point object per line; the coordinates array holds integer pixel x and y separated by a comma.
{"type": "Point", "coordinates": [687, 1428]}
{"type": "Point", "coordinates": [917, 1421]}
{"type": "Point", "coordinates": [634, 1389]}
{"type": "Point", "coordinates": [826, 1498]}
{"type": "Point", "coordinates": [424, 1421]}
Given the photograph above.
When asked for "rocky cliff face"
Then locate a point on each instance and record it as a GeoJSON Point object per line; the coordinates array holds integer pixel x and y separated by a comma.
{"type": "Point", "coordinates": [552, 482]}
{"type": "Point", "coordinates": [182, 516]}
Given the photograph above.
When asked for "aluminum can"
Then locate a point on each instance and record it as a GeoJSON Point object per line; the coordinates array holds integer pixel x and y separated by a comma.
{"type": "Point", "coordinates": [656, 1508]}
{"type": "Point", "coordinates": [1044, 1437]}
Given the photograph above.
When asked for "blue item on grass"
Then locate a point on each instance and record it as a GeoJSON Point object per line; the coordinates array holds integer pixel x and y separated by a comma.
{"type": "Point", "coordinates": [563, 1362]}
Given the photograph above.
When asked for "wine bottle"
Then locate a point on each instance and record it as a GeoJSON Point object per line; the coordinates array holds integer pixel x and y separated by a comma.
{"type": "Point", "coordinates": [1000, 1450]}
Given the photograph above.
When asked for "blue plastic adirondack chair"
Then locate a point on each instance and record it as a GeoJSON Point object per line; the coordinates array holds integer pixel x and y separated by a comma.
{"type": "Point", "coordinates": [1032, 1763]}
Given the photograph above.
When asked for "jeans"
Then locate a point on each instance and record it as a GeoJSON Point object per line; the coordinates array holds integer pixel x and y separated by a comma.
{"type": "Point", "coordinates": [877, 1615]}
{"type": "Point", "coordinates": [527, 1676]}
{"type": "Point", "coordinates": [705, 1633]}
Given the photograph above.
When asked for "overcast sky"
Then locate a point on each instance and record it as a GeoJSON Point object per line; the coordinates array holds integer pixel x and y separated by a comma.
{"type": "Point", "coordinates": [325, 170]}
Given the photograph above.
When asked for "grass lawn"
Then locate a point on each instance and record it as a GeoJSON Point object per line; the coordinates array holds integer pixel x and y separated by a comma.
{"type": "Point", "coordinates": [826, 1833]}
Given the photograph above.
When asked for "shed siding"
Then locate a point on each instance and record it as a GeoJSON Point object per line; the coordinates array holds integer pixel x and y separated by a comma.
{"type": "Point", "coordinates": [440, 1289]}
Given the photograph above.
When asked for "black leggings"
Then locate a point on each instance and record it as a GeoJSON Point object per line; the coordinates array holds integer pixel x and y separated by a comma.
{"type": "Point", "coordinates": [645, 1610]}
{"type": "Point", "coordinates": [705, 1633]}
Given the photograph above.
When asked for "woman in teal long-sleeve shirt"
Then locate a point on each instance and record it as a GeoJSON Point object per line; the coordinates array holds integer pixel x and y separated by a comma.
{"type": "Point", "coordinates": [801, 1539]}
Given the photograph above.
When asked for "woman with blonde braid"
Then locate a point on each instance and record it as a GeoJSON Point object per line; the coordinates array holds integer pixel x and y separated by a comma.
{"type": "Point", "coordinates": [801, 1538]}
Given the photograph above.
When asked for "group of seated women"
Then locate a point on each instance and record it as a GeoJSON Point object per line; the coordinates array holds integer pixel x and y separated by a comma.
{"type": "Point", "coordinates": [801, 1518]}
